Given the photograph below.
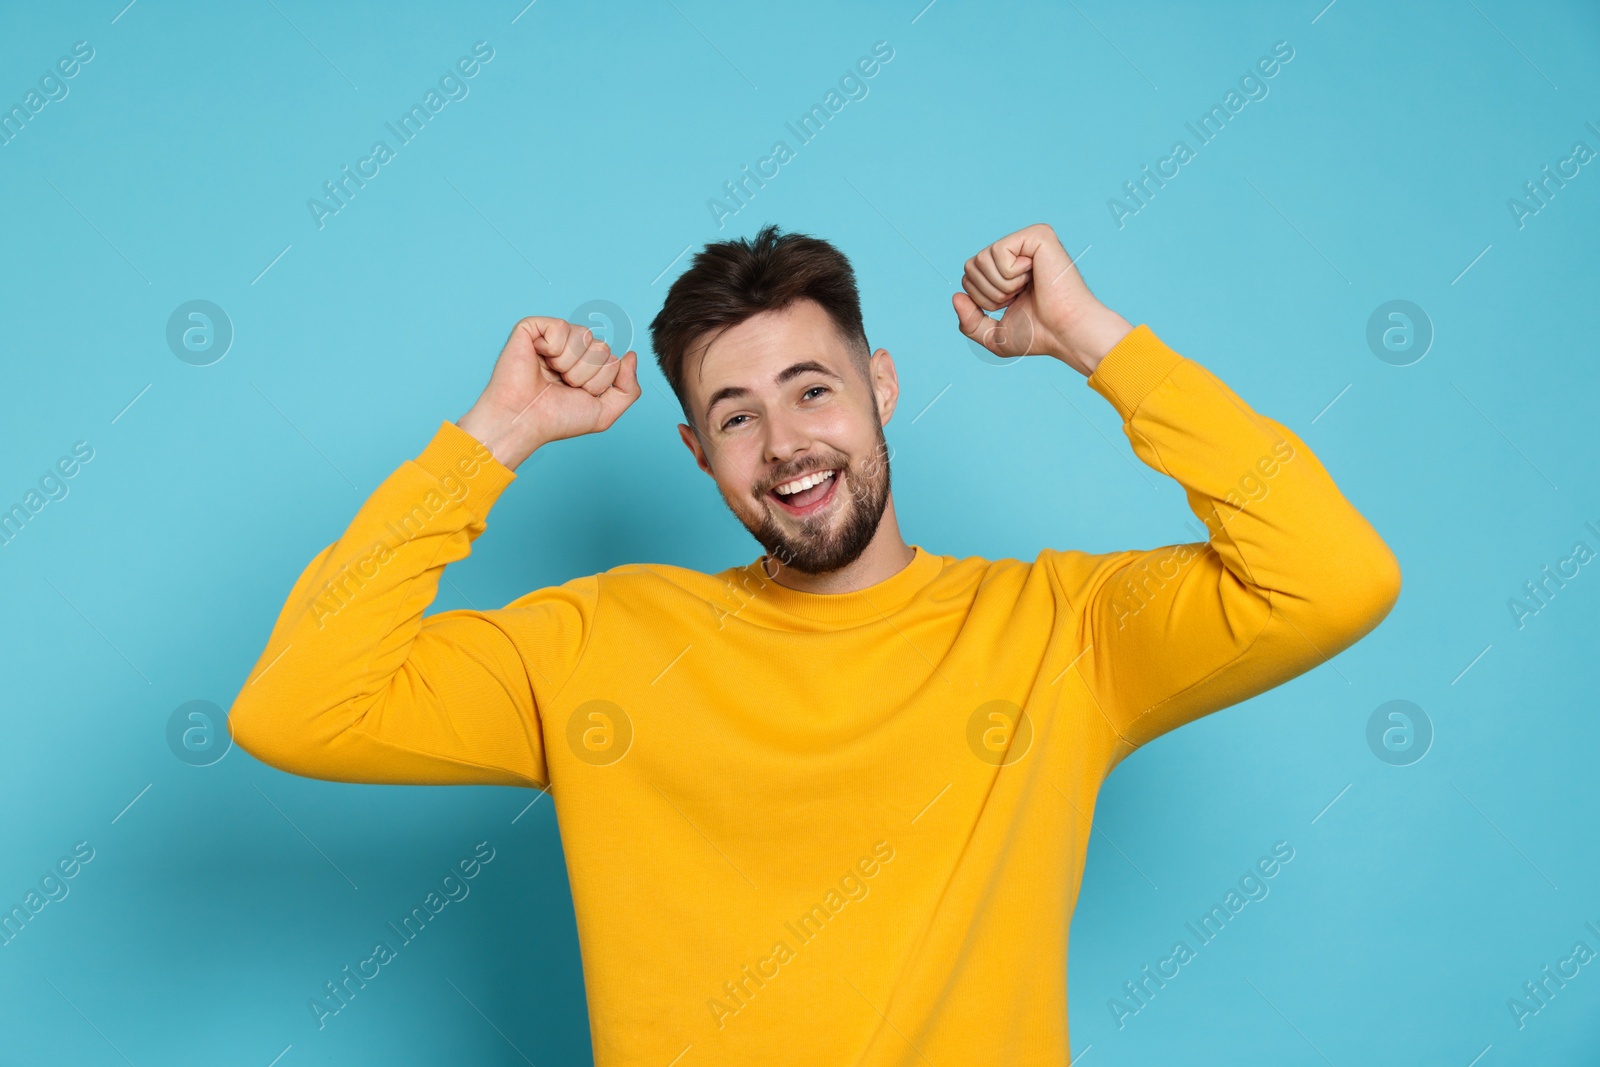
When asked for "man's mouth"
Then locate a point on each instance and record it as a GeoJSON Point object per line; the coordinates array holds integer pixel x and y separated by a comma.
{"type": "Point", "coordinates": [806, 494]}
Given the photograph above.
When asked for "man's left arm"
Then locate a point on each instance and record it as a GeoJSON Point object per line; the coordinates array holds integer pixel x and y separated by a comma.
{"type": "Point", "coordinates": [1291, 573]}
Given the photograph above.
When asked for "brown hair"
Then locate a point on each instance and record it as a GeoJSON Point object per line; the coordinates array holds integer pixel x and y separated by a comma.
{"type": "Point", "coordinates": [731, 281]}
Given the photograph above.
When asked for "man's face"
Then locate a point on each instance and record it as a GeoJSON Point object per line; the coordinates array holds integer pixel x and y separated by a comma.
{"type": "Point", "coordinates": [780, 402]}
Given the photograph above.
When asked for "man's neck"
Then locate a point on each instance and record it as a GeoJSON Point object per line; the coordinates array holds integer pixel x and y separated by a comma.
{"type": "Point", "coordinates": [886, 555]}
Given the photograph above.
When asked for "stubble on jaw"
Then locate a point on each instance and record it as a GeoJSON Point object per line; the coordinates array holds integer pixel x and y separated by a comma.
{"type": "Point", "coordinates": [816, 549]}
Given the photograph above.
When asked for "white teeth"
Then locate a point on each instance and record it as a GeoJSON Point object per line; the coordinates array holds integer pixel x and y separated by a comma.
{"type": "Point", "coordinates": [803, 482]}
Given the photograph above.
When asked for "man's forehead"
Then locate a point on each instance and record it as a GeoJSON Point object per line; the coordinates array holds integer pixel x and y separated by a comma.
{"type": "Point", "coordinates": [755, 350]}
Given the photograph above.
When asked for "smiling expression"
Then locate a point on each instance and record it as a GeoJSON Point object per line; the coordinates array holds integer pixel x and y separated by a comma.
{"type": "Point", "coordinates": [790, 422]}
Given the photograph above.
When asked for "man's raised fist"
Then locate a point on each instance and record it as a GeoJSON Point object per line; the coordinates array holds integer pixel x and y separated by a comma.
{"type": "Point", "coordinates": [553, 380]}
{"type": "Point", "coordinates": [1048, 308]}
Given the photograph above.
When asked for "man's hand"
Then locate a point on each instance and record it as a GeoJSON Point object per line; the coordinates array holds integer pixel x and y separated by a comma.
{"type": "Point", "coordinates": [553, 380]}
{"type": "Point", "coordinates": [1048, 309]}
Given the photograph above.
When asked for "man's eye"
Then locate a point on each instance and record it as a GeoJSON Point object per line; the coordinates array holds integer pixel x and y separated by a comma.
{"type": "Point", "coordinates": [731, 423]}
{"type": "Point", "coordinates": [814, 389]}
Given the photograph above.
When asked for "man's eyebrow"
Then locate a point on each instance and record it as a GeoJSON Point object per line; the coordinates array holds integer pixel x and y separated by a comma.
{"type": "Point", "coordinates": [793, 370]}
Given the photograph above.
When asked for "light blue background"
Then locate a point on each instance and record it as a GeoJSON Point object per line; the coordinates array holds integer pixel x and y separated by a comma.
{"type": "Point", "coordinates": [1378, 168]}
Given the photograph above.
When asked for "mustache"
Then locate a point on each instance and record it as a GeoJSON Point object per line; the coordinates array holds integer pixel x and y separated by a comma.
{"type": "Point", "coordinates": [870, 465]}
{"type": "Point", "coordinates": [790, 475]}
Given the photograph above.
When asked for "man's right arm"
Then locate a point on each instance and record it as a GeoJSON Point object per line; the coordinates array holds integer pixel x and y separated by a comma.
{"type": "Point", "coordinates": [354, 684]}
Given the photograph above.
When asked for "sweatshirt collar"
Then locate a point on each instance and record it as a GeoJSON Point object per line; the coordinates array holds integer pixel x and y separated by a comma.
{"type": "Point", "coordinates": [772, 604]}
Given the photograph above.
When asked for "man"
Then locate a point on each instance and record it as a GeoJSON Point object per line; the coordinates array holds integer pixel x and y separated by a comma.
{"type": "Point", "coordinates": [831, 807]}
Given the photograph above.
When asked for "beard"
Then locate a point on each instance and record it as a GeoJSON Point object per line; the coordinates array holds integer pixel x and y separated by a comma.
{"type": "Point", "coordinates": [817, 545]}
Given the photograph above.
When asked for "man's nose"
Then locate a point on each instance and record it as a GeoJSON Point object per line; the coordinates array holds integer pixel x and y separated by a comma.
{"type": "Point", "coordinates": [786, 437]}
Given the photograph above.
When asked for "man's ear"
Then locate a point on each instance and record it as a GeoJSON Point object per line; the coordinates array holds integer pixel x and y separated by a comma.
{"type": "Point", "coordinates": [692, 441]}
{"type": "Point", "coordinates": [885, 384]}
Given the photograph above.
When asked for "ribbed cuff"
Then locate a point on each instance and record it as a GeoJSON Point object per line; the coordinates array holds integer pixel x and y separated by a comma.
{"type": "Point", "coordinates": [1127, 374]}
{"type": "Point", "coordinates": [455, 453]}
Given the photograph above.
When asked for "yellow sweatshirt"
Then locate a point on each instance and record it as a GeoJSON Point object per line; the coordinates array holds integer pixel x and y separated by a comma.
{"type": "Point", "coordinates": [823, 829]}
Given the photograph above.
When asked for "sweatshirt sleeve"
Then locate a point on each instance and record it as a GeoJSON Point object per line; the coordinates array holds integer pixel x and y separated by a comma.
{"type": "Point", "coordinates": [1289, 576]}
{"type": "Point", "coordinates": [356, 686]}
